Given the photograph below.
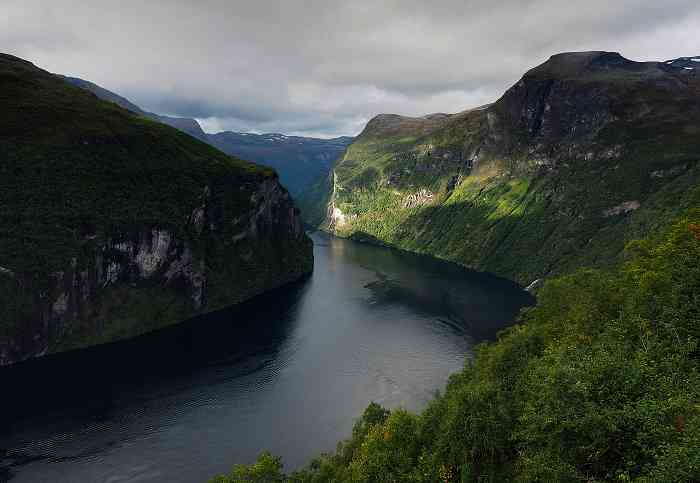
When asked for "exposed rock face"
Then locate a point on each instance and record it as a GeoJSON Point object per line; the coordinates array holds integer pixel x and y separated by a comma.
{"type": "Point", "coordinates": [337, 217]}
{"type": "Point", "coordinates": [130, 225]}
{"type": "Point", "coordinates": [560, 109]}
{"type": "Point", "coordinates": [586, 151]}
{"type": "Point", "coordinates": [266, 245]}
{"type": "Point", "coordinates": [535, 285]}
{"type": "Point", "coordinates": [422, 197]}
{"type": "Point", "coordinates": [624, 207]}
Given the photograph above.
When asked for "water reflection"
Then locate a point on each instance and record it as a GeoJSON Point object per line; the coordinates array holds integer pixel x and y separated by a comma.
{"type": "Point", "coordinates": [245, 337]}
{"type": "Point", "coordinates": [476, 303]}
{"type": "Point", "coordinates": [287, 372]}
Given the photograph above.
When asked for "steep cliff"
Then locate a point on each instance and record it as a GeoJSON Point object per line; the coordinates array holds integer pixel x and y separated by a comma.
{"type": "Point", "coordinates": [585, 152]}
{"type": "Point", "coordinates": [112, 225]}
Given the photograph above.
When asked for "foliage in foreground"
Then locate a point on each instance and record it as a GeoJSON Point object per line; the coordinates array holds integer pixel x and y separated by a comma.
{"type": "Point", "coordinates": [600, 382]}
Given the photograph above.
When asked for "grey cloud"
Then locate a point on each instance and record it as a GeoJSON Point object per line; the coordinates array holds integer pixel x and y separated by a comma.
{"type": "Point", "coordinates": [325, 67]}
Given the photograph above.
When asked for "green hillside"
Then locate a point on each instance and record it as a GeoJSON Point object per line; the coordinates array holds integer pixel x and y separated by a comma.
{"type": "Point", "coordinates": [585, 153]}
{"type": "Point", "coordinates": [599, 382]}
{"type": "Point", "coordinates": [298, 160]}
{"type": "Point", "coordinates": [112, 224]}
{"type": "Point", "coordinates": [585, 172]}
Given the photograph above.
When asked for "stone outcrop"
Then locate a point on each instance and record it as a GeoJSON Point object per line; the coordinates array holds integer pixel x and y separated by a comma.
{"type": "Point", "coordinates": [421, 197]}
{"type": "Point", "coordinates": [68, 308]}
{"type": "Point", "coordinates": [624, 207]}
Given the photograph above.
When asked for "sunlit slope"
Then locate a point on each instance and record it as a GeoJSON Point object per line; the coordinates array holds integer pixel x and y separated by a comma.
{"type": "Point", "coordinates": [585, 152]}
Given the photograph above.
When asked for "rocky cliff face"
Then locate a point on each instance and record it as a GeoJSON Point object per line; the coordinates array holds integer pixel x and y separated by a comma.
{"type": "Point", "coordinates": [97, 297]}
{"type": "Point", "coordinates": [112, 226]}
{"type": "Point", "coordinates": [585, 152]}
{"type": "Point", "coordinates": [563, 108]}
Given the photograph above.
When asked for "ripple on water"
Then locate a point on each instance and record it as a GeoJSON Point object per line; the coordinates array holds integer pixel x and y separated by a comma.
{"type": "Point", "coordinates": [288, 372]}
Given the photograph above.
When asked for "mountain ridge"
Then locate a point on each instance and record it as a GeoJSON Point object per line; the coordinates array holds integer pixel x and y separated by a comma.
{"type": "Point", "coordinates": [299, 160]}
{"type": "Point", "coordinates": [585, 151]}
{"type": "Point", "coordinates": [585, 175]}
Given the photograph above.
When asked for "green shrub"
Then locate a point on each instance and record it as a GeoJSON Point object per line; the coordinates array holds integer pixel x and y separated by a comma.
{"type": "Point", "coordinates": [599, 382]}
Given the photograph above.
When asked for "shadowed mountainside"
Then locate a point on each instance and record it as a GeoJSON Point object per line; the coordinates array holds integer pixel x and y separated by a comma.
{"type": "Point", "coordinates": [299, 160]}
{"type": "Point", "coordinates": [112, 224]}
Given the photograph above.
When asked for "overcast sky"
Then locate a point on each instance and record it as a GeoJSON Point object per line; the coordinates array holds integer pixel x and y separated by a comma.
{"type": "Point", "coordinates": [325, 67]}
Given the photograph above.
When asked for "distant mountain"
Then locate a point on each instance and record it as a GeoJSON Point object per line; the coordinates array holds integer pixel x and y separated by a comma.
{"type": "Point", "coordinates": [299, 160]}
{"type": "Point", "coordinates": [686, 63]}
{"type": "Point", "coordinates": [585, 152]}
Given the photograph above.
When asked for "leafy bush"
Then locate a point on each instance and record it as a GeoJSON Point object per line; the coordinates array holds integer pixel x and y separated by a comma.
{"type": "Point", "coordinates": [599, 382]}
{"type": "Point", "coordinates": [267, 469]}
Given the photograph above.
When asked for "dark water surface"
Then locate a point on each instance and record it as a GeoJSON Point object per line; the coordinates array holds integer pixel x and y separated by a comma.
{"type": "Point", "coordinates": [288, 372]}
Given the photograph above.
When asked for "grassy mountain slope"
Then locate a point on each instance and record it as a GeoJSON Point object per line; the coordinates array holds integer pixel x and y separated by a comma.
{"type": "Point", "coordinates": [187, 125]}
{"type": "Point", "coordinates": [600, 382]}
{"type": "Point", "coordinates": [298, 160]}
{"type": "Point", "coordinates": [112, 224]}
{"type": "Point", "coordinates": [585, 152]}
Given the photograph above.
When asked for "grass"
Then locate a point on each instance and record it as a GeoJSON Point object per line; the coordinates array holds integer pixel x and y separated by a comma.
{"type": "Point", "coordinates": [72, 164]}
{"type": "Point", "coordinates": [598, 382]}
{"type": "Point", "coordinates": [515, 213]}
{"type": "Point", "coordinates": [78, 173]}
